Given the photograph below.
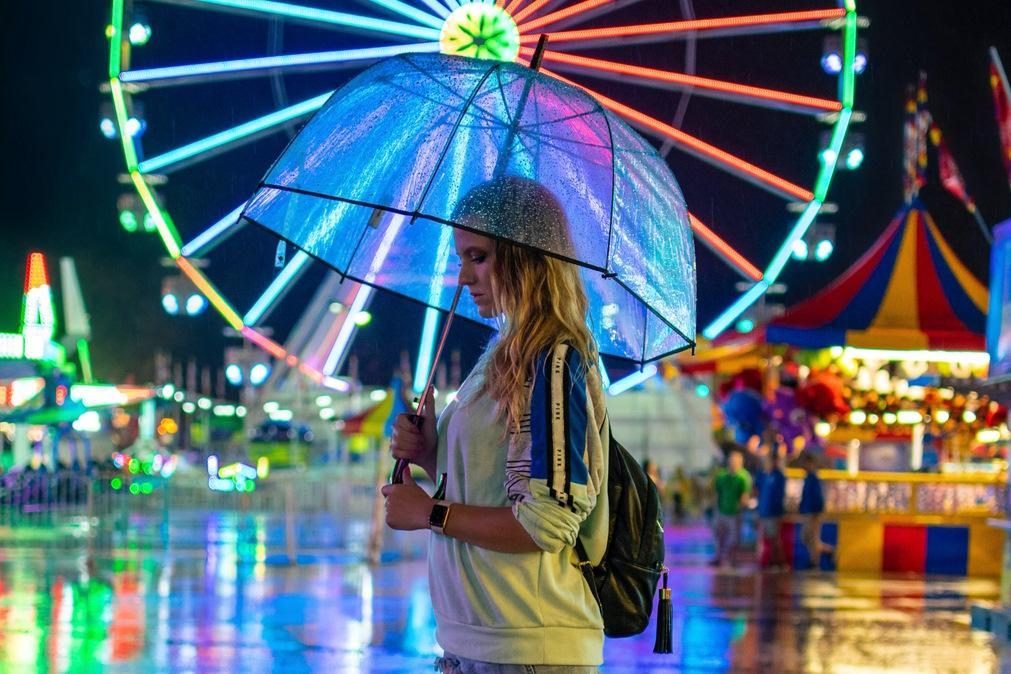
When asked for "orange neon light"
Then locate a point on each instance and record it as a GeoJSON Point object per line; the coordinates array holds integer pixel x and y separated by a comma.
{"type": "Point", "coordinates": [210, 292]}
{"type": "Point", "coordinates": [528, 10]}
{"type": "Point", "coordinates": [315, 375]}
{"type": "Point", "coordinates": [723, 249]}
{"type": "Point", "coordinates": [36, 276]}
{"type": "Point", "coordinates": [553, 17]}
{"type": "Point", "coordinates": [265, 343]}
{"type": "Point", "coordinates": [514, 4]}
{"type": "Point", "coordinates": [682, 79]}
{"type": "Point", "coordinates": [696, 25]}
{"type": "Point", "coordinates": [700, 147]}
{"type": "Point", "coordinates": [499, 3]}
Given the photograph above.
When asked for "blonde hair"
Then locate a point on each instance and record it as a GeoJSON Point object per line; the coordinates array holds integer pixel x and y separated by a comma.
{"type": "Point", "coordinates": [542, 297]}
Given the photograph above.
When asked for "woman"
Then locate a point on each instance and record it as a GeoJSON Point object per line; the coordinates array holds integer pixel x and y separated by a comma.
{"type": "Point", "coordinates": [523, 450]}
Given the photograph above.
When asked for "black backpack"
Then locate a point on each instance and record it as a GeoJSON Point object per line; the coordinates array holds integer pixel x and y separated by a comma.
{"type": "Point", "coordinates": [625, 580]}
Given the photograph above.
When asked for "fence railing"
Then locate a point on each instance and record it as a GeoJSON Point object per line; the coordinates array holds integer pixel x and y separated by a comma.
{"type": "Point", "coordinates": [290, 516]}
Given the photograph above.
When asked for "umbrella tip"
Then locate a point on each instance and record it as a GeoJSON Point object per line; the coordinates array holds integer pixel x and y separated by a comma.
{"type": "Point", "coordinates": [535, 61]}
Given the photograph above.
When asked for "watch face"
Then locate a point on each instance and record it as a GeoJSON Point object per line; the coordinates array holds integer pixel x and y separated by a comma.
{"type": "Point", "coordinates": [438, 516]}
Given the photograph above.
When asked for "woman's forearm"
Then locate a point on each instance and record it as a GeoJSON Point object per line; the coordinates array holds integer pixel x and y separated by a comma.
{"type": "Point", "coordinates": [493, 528]}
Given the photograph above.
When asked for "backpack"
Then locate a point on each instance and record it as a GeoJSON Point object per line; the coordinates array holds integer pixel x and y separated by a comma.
{"type": "Point", "coordinates": [625, 580]}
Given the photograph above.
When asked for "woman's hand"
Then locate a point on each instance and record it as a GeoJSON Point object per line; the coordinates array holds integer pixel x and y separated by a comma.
{"type": "Point", "coordinates": [407, 505]}
{"type": "Point", "coordinates": [417, 445]}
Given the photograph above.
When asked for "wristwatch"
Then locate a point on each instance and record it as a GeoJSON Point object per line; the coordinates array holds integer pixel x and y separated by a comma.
{"type": "Point", "coordinates": [439, 516]}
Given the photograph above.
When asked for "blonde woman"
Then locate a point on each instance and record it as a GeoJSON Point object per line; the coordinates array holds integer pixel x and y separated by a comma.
{"type": "Point", "coordinates": [524, 451]}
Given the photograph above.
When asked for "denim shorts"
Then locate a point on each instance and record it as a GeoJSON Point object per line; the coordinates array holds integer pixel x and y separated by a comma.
{"type": "Point", "coordinates": [454, 664]}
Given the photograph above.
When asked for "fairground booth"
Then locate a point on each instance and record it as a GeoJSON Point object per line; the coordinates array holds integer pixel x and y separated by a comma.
{"type": "Point", "coordinates": [880, 375]}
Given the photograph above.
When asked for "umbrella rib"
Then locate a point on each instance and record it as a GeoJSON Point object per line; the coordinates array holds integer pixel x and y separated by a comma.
{"type": "Point", "coordinates": [450, 137]}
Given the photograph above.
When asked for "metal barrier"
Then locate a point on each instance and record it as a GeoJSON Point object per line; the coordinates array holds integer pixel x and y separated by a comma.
{"type": "Point", "coordinates": [292, 516]}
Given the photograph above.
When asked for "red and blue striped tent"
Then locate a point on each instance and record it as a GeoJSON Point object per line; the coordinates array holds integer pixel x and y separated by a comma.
{"type": "Point", "coordinates": [908, 292]}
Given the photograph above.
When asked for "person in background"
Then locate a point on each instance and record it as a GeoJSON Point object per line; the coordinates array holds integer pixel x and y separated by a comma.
{"type": "Point", "coordinates": [681, 493]}
{"type": "Point", "coordinates": [812, 505]}
{"type": "Point", "coordinates": [733, 488]}
{"type": "Point", "coordinates": [771, 493]}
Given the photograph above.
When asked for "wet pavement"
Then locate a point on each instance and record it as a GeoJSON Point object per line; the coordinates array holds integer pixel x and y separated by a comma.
{"type": "Point", "coordinates": [230, 605]}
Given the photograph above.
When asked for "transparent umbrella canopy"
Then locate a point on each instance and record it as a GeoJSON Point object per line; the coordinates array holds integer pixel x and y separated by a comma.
{"type": "Point", "coordinates": [373, 185]}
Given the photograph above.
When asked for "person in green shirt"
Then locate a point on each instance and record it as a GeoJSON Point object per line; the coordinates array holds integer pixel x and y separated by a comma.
{"type": "Point", "coordinates": [733, 487]}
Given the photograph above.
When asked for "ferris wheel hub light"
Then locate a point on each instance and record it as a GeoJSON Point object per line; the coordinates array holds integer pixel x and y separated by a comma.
{"type": "Point", "coordinates": [480, 31]}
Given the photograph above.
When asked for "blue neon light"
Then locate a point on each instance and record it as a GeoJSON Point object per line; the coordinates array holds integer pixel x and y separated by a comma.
{"type": "Point", "coordinates": [232, 135]}
{"type": "Point", "coordinates": [736, 309]}
{"type": "Point", "coordinates": [425, 352]}
{"type": "Point", "coordinates": [634, 379]}
{"type": "Point", "coordinates": [222, 227]}
{"type": "Point", "coordinates": [276, 287]}
{"type": "Point", "coordinates": [275, 62]}
{"type": "Point", "coordinates": [786, 249]}
{"type": "Point", "coordinates": [326, 16]}
{"type": "Point", "coordinates": [605, 381]}
{"type": "Point", "coordinates": [424, 18]}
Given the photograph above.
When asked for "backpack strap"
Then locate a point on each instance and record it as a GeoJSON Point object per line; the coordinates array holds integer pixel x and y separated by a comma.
{"type": "Point", "coordinates": [586, 568]}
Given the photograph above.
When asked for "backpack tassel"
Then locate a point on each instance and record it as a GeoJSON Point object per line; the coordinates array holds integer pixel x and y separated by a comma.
{"type": "Point", "coordinates": [664, 620]}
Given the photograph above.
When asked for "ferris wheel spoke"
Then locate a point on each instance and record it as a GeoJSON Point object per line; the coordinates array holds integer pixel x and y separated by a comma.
{"type": "Point", "coordinates": [702, 86]}
{"type": "Point", "coordinates": [231, 138]}
{"type": "Point", "coordinates": [277, 289]}
{"type": "Point", "coordinates": [320, 18]}
{"type": "Point", "coordinates": [212, 294]}
{"type": "Point", "coordinates": [214, 235]}
{"type": "Point", "coordinates": [532, 8]}
{"type": "Point", "coordinates": [724, 251]}
{"type": "Point", "coordinates": [577, 13]}
{"type": "Point", "coordinates": [405, 10]}
{"type": "Point", "coordinates": [698, 148]}
{"type": "Point", "coordinates": [678, 30]}
{"type": "Point", "coordinates": [268, 65]}
{"type": "Point", "coordinates": [438, 7]}
{"type": "Point", "coordinates": [513, 6]}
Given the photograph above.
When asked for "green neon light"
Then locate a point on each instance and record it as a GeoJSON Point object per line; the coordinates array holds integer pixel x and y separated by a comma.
{"type": "Point", "coordinates": [847, 86]}
{"type": "Point", "coordinates": [119, 104]}
{"type": "Point", "coordinates": [166, 229]}
{"type": "Point", "coordinates": [324, 16]}
{"type": "Point", "coordinates": [233, 135]}
{"type": "Point", "coordinates": [84, 355]}
{"type": "Point", "coordinates": [115, 35]}
{"type": "Point", "coordinates": [849, 55]}
{"type": "Point", "coordinates": [481, 31]}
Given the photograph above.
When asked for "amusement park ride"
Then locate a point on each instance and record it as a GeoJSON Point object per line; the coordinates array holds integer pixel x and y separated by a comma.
{"type": "Point", "coordinates": [311, 49]}
{"type": "Point", "coordinates": [48, 393]}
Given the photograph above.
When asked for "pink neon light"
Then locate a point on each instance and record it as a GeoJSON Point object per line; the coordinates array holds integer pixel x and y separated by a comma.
{"type": "Point", "coordinates": [265, 343]}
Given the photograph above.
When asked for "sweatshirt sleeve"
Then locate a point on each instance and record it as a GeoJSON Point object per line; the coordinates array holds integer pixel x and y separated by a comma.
{"type": "Point", "coordinates": [555, 468]}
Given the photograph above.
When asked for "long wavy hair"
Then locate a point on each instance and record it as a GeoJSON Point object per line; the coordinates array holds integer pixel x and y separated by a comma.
{"type": "Point", "coordinates": [540, 297]}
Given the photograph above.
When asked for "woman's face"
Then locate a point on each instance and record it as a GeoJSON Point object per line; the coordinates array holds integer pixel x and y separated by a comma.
{"type": "Point", "coordinates": [477, 260]}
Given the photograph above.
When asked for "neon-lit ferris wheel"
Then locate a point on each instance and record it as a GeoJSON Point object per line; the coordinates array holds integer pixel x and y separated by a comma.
{"type": "Point", "coordinates": [591, 43]}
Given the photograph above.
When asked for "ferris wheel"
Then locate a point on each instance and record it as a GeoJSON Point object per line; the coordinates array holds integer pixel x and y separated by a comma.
{"type": "Point", "coordinates": [310, 50]}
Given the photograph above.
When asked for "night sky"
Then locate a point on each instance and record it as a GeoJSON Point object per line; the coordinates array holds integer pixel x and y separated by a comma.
{"type": "Point", "coordinates": [60, 175]}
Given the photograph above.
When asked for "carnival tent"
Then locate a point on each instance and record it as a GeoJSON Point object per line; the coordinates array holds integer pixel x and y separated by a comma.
{"type": "Point", "coordinates": [908, 292]}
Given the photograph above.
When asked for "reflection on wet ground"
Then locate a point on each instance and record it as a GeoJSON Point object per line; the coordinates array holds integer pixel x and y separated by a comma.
{"type": "Point", "coordinates": [230, 607]}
